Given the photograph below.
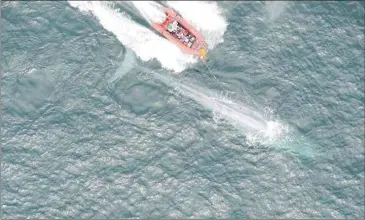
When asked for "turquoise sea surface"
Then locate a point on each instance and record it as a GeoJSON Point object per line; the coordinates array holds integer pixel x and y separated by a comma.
{"type": "Point", "coordinates": [104, 118]}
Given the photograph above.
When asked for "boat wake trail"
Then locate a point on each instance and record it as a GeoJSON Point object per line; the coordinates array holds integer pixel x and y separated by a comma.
{"type": "Point", "coordinates": [142, 41]}
{"type": "Point", "coordinates": [145, 43]}
{"type": "Point", "coordinates": [151, 11]}
{"type": "Point", "coordinates": [124, 67]}
{"type": "Point", "coordinates": [256, 126]}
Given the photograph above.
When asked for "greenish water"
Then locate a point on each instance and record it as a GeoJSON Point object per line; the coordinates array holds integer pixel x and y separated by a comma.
{"type": "Point", "coordinates": [102, 118]}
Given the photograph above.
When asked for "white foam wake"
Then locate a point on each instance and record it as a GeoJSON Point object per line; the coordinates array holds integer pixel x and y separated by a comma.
{"type": "Point", "coordinates": [146, 44]}
{"type": "Point", "coordinates": [125, 66]}
{"type": "Point", "coordinates": [257, 127]}
{"type": "Point", "coordinates": [151, 11]}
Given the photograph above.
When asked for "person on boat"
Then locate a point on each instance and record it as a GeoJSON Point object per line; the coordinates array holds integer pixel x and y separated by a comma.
{"type": "Point", "coordinates": [185, 39]}
{"type": "Point", "coordinates": [179, 33]}
{"type": "Point", "coordinates": [172, 27]}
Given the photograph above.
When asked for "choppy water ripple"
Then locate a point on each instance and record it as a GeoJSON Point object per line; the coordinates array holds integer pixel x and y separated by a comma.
{"type": "Point", "coordinates": [87, 134]}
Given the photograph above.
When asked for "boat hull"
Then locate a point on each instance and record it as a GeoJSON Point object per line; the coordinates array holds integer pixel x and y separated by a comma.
{"type": "Point", "coordinates": [198, 44]}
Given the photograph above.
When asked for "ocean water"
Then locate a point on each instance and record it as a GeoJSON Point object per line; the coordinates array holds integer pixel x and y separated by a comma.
{"type": "Point", "coordinates": [104, 118]}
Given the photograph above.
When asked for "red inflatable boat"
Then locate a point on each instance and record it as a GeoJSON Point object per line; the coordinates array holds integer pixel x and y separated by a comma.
{"type": "Point", "coordinates": [178, 31]}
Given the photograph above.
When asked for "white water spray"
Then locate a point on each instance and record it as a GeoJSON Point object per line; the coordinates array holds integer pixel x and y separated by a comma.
{"type": "Point", "coordinates": [151, 11]}
{"type": "Point", "coordinates": [146, 44]}
{"type": "Point", "coordinates": [256, 127]}
{"type": "Point", "coordinates": [141, 40]}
